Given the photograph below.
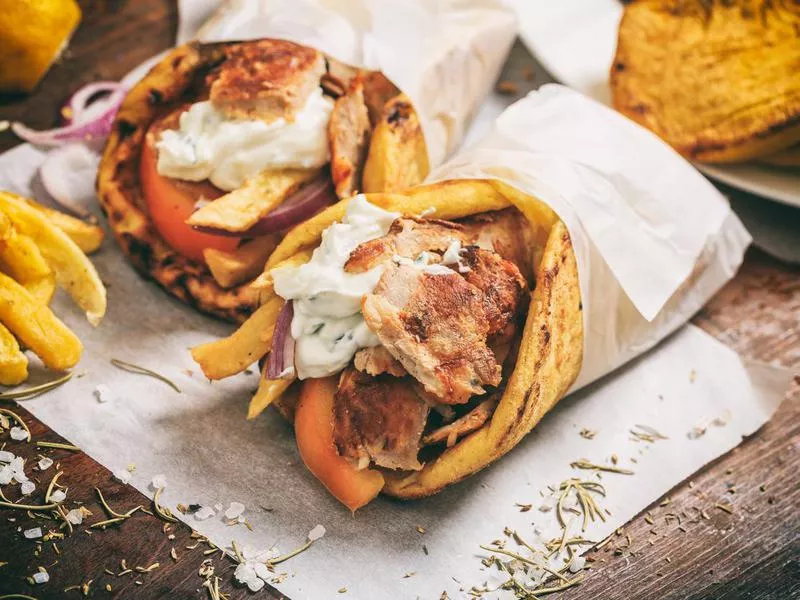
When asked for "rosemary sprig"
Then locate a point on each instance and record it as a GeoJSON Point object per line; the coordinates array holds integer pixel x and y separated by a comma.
{"type": "Point", "coordinates": [162, 511]}
{"type": "Point", "coordinates": [51, 486]}
{"type": "Point", "coordinates": [138, 370]}
{"type": "Point", "coordinates": [31, 392]}
{"type": "Point", "coordinates": [4, 504]}
{"type": "Point", "coordinates": [645, 433]}
{"type": "Point", "coordinates": [17, 418]}
{"type": "Point", "coordinates": [292, 554]}
{"type": "Point", "coordinates": [58, 445]}
{"type": "Point", "coordinates": [590, 466]}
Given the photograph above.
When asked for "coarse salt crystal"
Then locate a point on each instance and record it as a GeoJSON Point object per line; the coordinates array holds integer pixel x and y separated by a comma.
{"type": "Point", "coordinates": [261, 570]}
{"type": "Point", "coordinates": [159, 482]}
{"type": "Point", "coordinates": [578, 562]}
{"type": "Point", "coordinates": [218, 507]}
{"type": "Point", "coordinates": [41, 577]}
{"type": "Point", "coordinates": [27, 488]}
{"type": "Point", "coordinates": [234, 510]}
{"type": "Point", "coordinates": [316, 533]}
{"type": "Point", "coordinates": [75, 516]}
{"type": "Point", "coordinates": [103, 393]}
{"type": "Point", "coordinates": [58, 496]}
{"type": "Point", "coordinates": [205, 512]}
{"type": "Point", "coordinates": [45, 463]}
{"type": "Point", "coordinates": [6, 474]}
{"type": "Point", "coordinates": [19, 434]}
{"type": "Point", "coordinates": [33, 534]}
{"type": "Point", "coordinates": [18, 469]}
{"type": "Point", "coordinates": [122, 475]}
{"type": "Point", "coordinates": [6, 456]}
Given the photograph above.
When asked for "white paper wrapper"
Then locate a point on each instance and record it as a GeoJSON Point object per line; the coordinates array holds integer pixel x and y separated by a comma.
{"type": "Point", "coordinates": [444, 54]}
{"type": "Point", "coordinates": [653, 238]}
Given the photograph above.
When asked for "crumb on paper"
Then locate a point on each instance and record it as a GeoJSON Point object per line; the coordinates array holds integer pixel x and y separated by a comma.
{"type": "Point", "coordinates": [507, 88]}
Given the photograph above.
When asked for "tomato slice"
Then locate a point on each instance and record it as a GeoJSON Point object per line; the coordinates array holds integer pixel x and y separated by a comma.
{"type": "Point", "coordinates": [313, 427]}
{"type": "Point", "coordinates": [171, 201]}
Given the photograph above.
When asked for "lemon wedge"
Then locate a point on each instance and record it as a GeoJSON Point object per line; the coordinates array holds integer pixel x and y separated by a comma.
{"type": "Point", "coordinates": [33, 33]}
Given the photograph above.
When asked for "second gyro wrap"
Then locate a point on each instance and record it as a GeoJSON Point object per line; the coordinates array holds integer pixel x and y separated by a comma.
{"type": "Point", "coordinates": [275, 112]}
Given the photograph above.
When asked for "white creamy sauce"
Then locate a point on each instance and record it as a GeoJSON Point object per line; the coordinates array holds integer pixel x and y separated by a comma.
{"type": "Point", "coordinates": [327, 325]}
{"type": "Point", "coordinates": [227, 151]}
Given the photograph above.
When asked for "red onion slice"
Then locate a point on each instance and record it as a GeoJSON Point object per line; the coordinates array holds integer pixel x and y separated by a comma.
{"type": "Point", "coordinates": [92, 131]}
{"type": "Point", "coordinates": [83, 104]}
{"type": "Point", "coordinates": [280, 364]}
{"type": "Point", "coordinates": [303, 204]}
{"type": "Point", "coordinates": [68, 175]}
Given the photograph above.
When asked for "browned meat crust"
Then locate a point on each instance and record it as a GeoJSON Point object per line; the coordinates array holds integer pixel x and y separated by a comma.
{"type": "Point", "coordinates": [407, 237]}
{"type": "Point", "coordinates": [472, 421]}
{"type": "Point", "coordinates": [266, 79]}
{"type": "Point", "coordinates": [501, 283]}
{"type": "Point", "coordinates": [506, 232]}
{"type": "Point", "coordinates": [376, 361]}
{"type": "Point", "coordinates": [378, 419]}
{"type": "Point", "coordinates": [348, 135]}
{"type": "Point", "coordinates": [436, 326]}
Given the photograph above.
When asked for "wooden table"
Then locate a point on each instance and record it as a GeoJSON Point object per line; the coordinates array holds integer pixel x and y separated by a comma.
{"type": "Point", "coordinates": [753, 552]}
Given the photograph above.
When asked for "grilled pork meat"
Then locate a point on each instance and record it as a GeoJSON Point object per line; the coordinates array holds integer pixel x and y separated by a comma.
{"type": "Point", "coordinates": [436, 326]}
{"type": "Point", "coordinates": [377, 360]}
{"type": "Point", "coordinates": [408, 237]}
{"type": "Point", "coordinates": [472, 421]}
{"type": "Point", "coordinates": [506, 232]}
{"type": "Point", "coordinates": [378, 419]}
{"type": "Point", "coordinates": [348, 134]}
{"type": "Point", "coordinates": [266, 79]}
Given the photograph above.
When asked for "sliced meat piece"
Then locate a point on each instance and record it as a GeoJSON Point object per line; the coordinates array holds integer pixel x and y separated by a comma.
{"type": "Point", "coordinates": [499, 280]}
{"type": "Point", "coordinates": [472, 421]}
{"type": "Point", "coordinates": [377, 360]}
{"type": "Point", "coordinates": [436, 326]}
{"type": "Point", "coordinates": [506, 232]}
{"type": "Point", "coordinates": [348, 136]}
{"type": "Point", "coordinates": [408, 237]}
{"type": "Point", "coordinates": [378, 419]}
{"type": "Point", "coordinates": [266, 79]}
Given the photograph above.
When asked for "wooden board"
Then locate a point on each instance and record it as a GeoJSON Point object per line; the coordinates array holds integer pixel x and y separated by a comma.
{"type": "Point", "coordinates": [752, 552]}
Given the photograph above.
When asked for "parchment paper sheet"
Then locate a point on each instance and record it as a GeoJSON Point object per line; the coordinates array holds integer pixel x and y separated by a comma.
{"type": "Point", "coordinates": [444, 54]}
{"type": "Point", "coordinates": [200, 440]}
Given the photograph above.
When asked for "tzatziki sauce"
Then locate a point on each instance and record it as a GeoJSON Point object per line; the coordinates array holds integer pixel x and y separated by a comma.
{"type": "Point", "coordinates": [228, 151]}
{"type": "Point", "coordinates": [328, 326]}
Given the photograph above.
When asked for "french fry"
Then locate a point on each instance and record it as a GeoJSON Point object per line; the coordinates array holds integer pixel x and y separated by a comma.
{"type": "Point", "coordinates": [73, 270]}
{"type": "Point", "coordinates": [243, 264]}
{"type": "Point", "coordinates": [240, 209]}
{"type": "Point", "coordinates": [264, 281]}
{"type": "Point", "coordinates": [233, 354]}
{"type": "Point", "coordinates": [13, 363]}
{"type": "Point", "coordinates": [268, 391]}
{"type": "Point", "coordinates": [21, 259]}
{"type": "Point", "coordinates": [35, 325]}
{"type": "Point", "coordinates": [398, 157]}
{"type": "Point", "coordinates": [88, 237]}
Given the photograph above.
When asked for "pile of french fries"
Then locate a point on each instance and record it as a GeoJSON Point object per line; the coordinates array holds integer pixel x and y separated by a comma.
{"type": "Point", "coordinates": [41, 249]}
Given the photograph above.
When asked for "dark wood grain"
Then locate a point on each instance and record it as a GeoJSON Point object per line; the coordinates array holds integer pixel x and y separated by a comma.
{"type": "Point", "coordinates": [751, 553]}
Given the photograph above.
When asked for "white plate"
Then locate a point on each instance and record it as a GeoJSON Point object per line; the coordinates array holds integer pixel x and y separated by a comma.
{"type": "Point", "coordinates": [575, 41]}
